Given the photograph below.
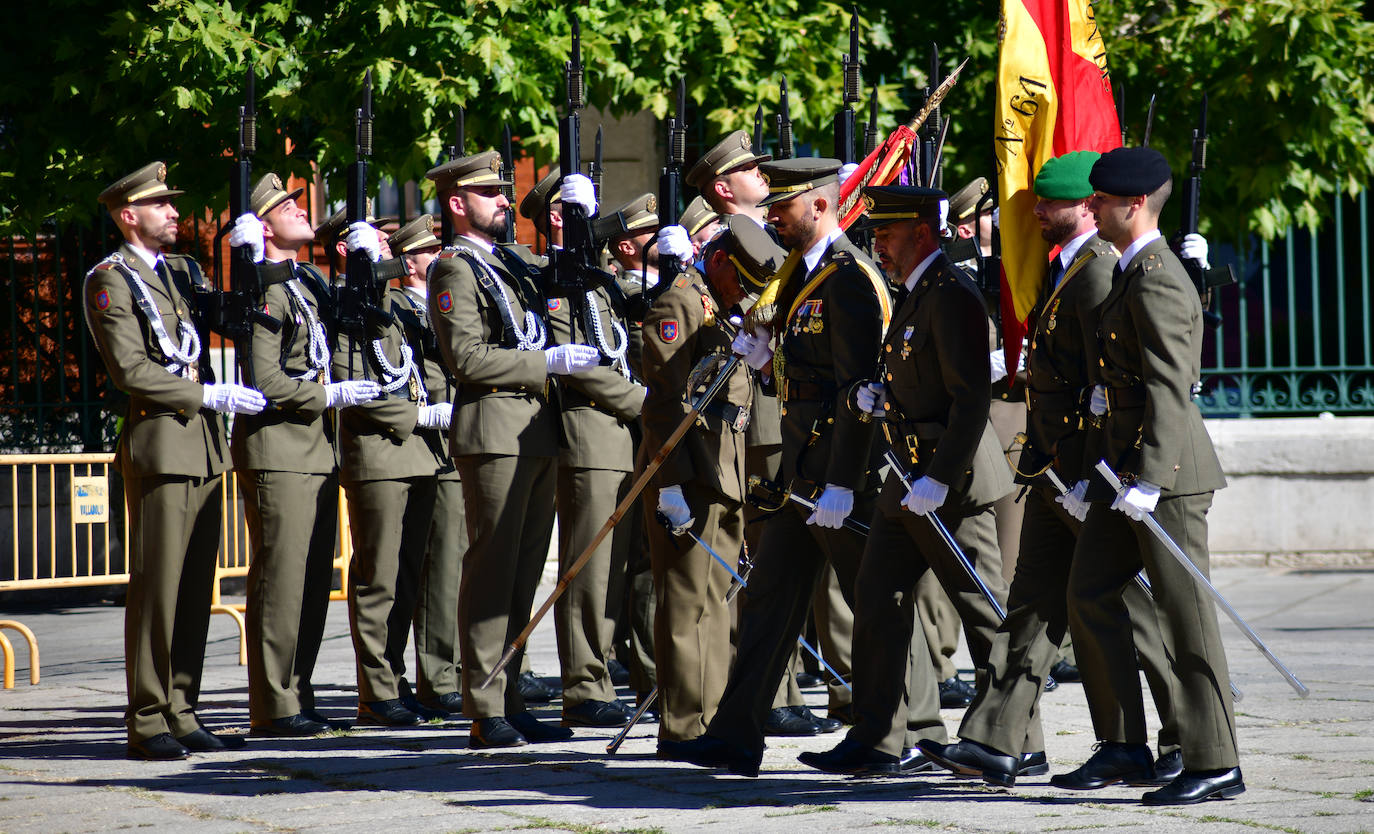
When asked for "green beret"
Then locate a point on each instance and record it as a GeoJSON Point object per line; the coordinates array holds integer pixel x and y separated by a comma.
{"type": "Point", "coordinates": [1130, 172]}
{"type": "Point", "coordinates": [1066, 177]}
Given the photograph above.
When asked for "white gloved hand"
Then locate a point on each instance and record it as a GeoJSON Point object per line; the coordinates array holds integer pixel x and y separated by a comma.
{"type": "Point", "coordinates": [437, 416]}
{"type": "Point", "coordinates": [233, 399]}
{"type": "Point", "coordinates": [350, 392]}
{"type": "Point", "coordinates": [247, 231]}
{"type": "Point", "coordinates": [1073, 502]}
{"type": "Point", "coordinates": [753, 347]}
{"type": "Point", "coordinates": [1138, 501]}
{"type": "Point", "coordinates": [846, 171]}
{"type": "Point", "coordinates": [363, 236]}
{"type": "Point", "coordinates": [674, 242]}
{"type": "Point", "coordinates": [674, 507]}
{"type": "Point", "coordinates": [998, 360]}
{"type": "Point", "coordinates": [833, 507]}
{"type": "Point", "coordinates": [1097, 403]}
{"type": "Point", "coordinates": [1194, 248]}
{"type": "Point", "coordinates": [579, 191]}
{"type": "Point", "coordinates": [871, 397]}
{"type": "Point", "coordinates": [744, 343]}
{"type": "Point", "coordinates": [569, 359]}
{"type": "Point", "coordinates": [926, 496]}
{"type": "Point", "coordinates": [997, 218]}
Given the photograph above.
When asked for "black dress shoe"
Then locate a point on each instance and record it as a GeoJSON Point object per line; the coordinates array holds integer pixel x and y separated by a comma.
{"type": "Point", "coordinates": [823, 723]}
{"type": "Point", "coordinates": [1194, 786]}
{"type": "Point", "coordinates": [1033, 764]}
{"type": "Point", "coordinates": [534, 690]}
{"type": "Point", "coordinates": [784, 722]}
{"type": "Point", "coordinates": [426, 713]}
{"type": "Point", "coordinates": [299, 725]}
{"type": "Point", "coordinates": [1113, 762]}
{"type": "Point", "coordinates": [494, 732]}
{"type": "Point", "coordinates": [536, 731]}
{"type": "Point", "coordinates": [851, 758]}
{"type": "Point", "coordinates": [914, 760]}
{"type": "Point", "coordinates": [201, 740]}
{"type": "Point", "coordinates": [955, 694]}
{"type": "Point", "coordinates": [389, 713]}
{"type": "Point", "coordinates": [709, 751]}
{"type": "Point", "coordinates": [449, 703]}
{"type": "Point", "coordinates": [332, 723]}
{"type": "Point", "coordinates": [806, 680]}
{"type": "Point", "coordinates": [161, 747]}
{"type": "Point", "coordinates": [1065, 672]}
{"type": "Point", "coordinates": [620, 676]}
{"type": "Point", "coordinates": [596, 714]}
{"type": "Point", "coordinates": [969, 758]}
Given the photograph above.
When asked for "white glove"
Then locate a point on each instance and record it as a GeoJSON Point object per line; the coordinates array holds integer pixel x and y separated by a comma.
{"type": "Point", "coordinates": [833, 507]}
{"type": "Point", "coordinates": [569, 359]}
{"type": "Point", "coordinates": [351, 392]}
{"type": "Point", "coordinates": [871, 397]}
{"type": "Point", "coordinates": [753, 347]}
{"type": "Point", "coordinates": [926, 496]}
{"type": "Point", "coordinates": [363, 236]}
{"type": "Point", "coordinates": [233, 399]}
{"type": "Point", "coordinates": [579, 191]}
{"type": "Point", "coordinates": [1097, 403]}
{"type": "Point", "coordinates": [247, 231]}
{"type": "Point", "coordinates": [997, 218]}
{"type": "Point", "coordinates": [674, 506]}
{"type": "Point", "coordinates": [673, 242]}
{"type": "Point", "coordinates": [847, 170]}
{"type": "Point", "coordinates": [998, 360]}
{"type": "Point", "coordinates": [1194, 248]}
{"type": "Point", "coordinates": [1138, 501]}
{"type": "Point", "coordinates": [437, 416]}
{"type": "Point", "coordinates": [1073, 502]}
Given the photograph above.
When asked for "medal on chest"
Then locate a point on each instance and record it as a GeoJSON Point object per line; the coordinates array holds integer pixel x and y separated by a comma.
{"type": "Point", "coordinates": [906, 340]}
{"type": "Point", "coordinates": [1051, 321]}
{"type": "Point", "coordinates": [809, 319]}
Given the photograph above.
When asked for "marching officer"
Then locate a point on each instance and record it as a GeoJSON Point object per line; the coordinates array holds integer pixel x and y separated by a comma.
{"type": "Point", "coordinates": [141, 310]}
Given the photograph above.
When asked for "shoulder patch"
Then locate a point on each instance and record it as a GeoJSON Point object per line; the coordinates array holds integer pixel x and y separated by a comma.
{"type": "Point", "coordinates": [681, 281]}
{"type": "Point", "coordinates": [102, 300]}
{"type": "Point", "coordinates": [668, 330]}
{"type": "Point", "coordinates": [555, 304]}
{"type": "Point", "coordinates": [445, 301]}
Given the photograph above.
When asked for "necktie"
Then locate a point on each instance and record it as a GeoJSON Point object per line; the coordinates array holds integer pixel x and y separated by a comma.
{"type": "Point", "coordinates": [1056, 272]}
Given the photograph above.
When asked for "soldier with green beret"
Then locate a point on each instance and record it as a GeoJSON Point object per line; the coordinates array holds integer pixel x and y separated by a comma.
{"type": "Point", "coordinates": [140, 306]}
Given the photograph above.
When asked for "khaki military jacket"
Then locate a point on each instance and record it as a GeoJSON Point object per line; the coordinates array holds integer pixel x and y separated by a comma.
{"type": "Point", "coordinates": [832, 332]}
{"type": "Point", "coordinates": [939, 388]}
{"type": "Point", "coordinates": [1149, 333]}
{"type": "Point", "coordinates": [503, 405]}
{"type": "Point", "coordinates": [293, 434]}
{"type": "Point", "coordinates": [684, 325]}
{"type": "Point", "coordinates": [166, 431]}
{"type": "Point", "coordinates": [596, 406]}
{"type": "Point", "coordinates": [411, 310]}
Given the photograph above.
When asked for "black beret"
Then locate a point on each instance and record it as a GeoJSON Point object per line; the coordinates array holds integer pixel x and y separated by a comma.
{"type": "Point", "coordinates": [1130, 172]}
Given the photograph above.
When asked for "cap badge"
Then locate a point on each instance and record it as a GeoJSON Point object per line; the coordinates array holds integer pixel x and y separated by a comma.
{"type": "Point", "coordinates": [651, 204]}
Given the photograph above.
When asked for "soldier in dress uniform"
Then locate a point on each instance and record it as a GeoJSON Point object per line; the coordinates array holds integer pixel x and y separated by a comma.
{"type": "Point", "coordinates": [702, 223]}
{"type": "Point", "coordinates": [286, 466]}
{"type": "Point", "coordinates": [489, 319]}
{"type": "Point", "coordinates": [1149, 335]}
{"type": "Point", "coordinates": [140, 306]}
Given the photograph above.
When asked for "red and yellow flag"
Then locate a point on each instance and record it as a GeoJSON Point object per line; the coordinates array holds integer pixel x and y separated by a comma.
{"type": "Point", "coordinates": [1054, 95]}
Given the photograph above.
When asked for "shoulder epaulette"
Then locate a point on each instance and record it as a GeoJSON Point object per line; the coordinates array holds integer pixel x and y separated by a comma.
{"type": "Point", "coordinates": [681, 281]}
{"type": "Point", "coordinates": [114, 260]}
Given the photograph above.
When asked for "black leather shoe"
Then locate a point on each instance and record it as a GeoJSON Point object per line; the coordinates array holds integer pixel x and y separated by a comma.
{"type": "Point", "coordinates": [536, 731]}
{"type": "Point", "coordinates": [449, 703]}
{"type": "Point", "coordinates": [596, 714]}
{"type": "Point", "coordinates": [955, 694]}
{"type": "Point", "coordinates": [1194, 786]}
{"type": "Point", "coordinates": [160, 748]}
{"type": "Point", "coordinates": [494, 732]}
{"type": "Point", "coordinates": [201, 740]}
{"type": "Point", "coordinates": [620, 676]}
{"type": "Point", "coordinates": [1113, 762]}
{"type": "Point", "coordinates": [1169, 767]}
{"type": "Point", "coordinates": [914, 760]}
{"type": "Point", "coordinates": [1065, 672]}
{"type": "Point", "coordinates": [844, 714]}
{"type": "Point", "coordinates": [823, 724]}
{"type": "Point", "coordinates": [969, 758]}
{"type": "Point", "coordinates": [425, 713]}
{"type": "Point", "coordinates": [851, 758]}
{"type": "Point", "coordinates": [299, 725]}
{"type": "Point", "coordinates": [389, 713]}
{"type": "Point", "coordinates": [806, 680]}
{"type": "Point", "coordinates": [784, 722]}
{"type": "Point", "coordinates": [534, 690]}
{"type": "Point", "coordinates": [709, 751]}
{"type": "Point", "coordinates": [332, 723]}
{"type": "Point", "coordinates": [1033, 764]}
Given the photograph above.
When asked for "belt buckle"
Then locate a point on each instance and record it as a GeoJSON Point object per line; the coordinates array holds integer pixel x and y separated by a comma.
{"type": "Point", "coordinates": [741, 421]}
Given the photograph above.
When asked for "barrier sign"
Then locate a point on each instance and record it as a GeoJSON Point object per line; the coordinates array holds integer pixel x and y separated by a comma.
{"type": "Point", "coordinates": [90, 499]}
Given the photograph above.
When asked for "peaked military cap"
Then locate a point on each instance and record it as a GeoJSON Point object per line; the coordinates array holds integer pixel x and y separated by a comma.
{"type": "Point", "coordinates": [731, 152]}
{"type": "Point", "coordinates": [788, 178]}
{"type": "Point", "coordinates": [965, 200]}
{"type": "Point", "coordinates": [468, 172]}
{"type": "Point", "coordinates": [755, 256]}
{"type": "Point", "coordinates": [532, 205]}
{"type": "Point", "coordinates": [891, 203]}
{"type": "Point", "coordinates": [414, 236]}
{"type": "Point", "coordinates": [697, 216]}
{"type": "Point", "coordinates": [1066, 177]}
{"type": "Point", "coordinates": [269, 193]}
{"type": "Point", "coordinates": [640, 216]}
{"type": "Point", "coordinates": [336, 226]}
{"type": "Point", "coordinates": [147, 183]}
{"type": "Point", "coordinates": [1130, 172]}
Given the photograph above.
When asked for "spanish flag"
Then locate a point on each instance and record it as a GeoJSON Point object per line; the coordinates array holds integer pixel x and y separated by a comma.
{"type": "Point", "coordinates": [1054, 95]}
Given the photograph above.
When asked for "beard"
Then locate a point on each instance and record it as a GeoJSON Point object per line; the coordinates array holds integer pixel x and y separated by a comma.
{"type": "Point", "coordinates": [493, 226]}
{"type": "Point", "coordinates": [798, 232]}
{"type": "Point", "coordinates": [1059, 230]}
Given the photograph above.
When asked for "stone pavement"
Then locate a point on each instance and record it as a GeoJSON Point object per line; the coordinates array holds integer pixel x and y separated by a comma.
{"type": "Point", "coordinates": [1309, 764]}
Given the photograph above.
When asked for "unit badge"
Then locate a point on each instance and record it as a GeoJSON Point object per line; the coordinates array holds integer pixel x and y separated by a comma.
{"type": "Point", "coordinates": [667, 331]}
{"type": "Point", "coordinates": [555, 304]}
{"type": "Point", "coordinates": [445, 301]}
{"type": "Point", "coordinates": [102, 300]}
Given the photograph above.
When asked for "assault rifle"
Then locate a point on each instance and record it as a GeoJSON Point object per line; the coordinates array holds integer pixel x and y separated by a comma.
{"type": "Point", "coordinates": [452, 152]}
{"type": "Point", "coordinates": [785, 148]}
{"type": "Point", "coordinates": [508, 173]}
{"type": "Point", "coordinates": [670, 191]}
{"type": "Point", "coordinates": [1205, 280]}
{"type": "Point", "coordinates": [844, 119]}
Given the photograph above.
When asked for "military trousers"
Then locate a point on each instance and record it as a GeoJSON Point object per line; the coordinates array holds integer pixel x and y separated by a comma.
{"type": "Point", "coordinates": [890, 680]}
{"type": "Point", "coordinates": [939, 623]}
{"type": "Point", "coordinates": [436, 609]}
{"type": "Point", "coordinates": [293, 520]}
{"type": "Point", "coordinates": [389, 521]}
{"type": "Point", "coordinates": [1111, 550]}
{"type": "Point", "coordinates": [1027, 644]}
{"type": "Point", "coordinates": [174, 531]}
{"type": "Point", "coordinates": [691, 617]}
{"type": "Point", "coordinates": [787, 570]}
{"type": "Point", "coordinates": [584, 616]}
{"type": "Point", "coordinates": [510, 510]}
